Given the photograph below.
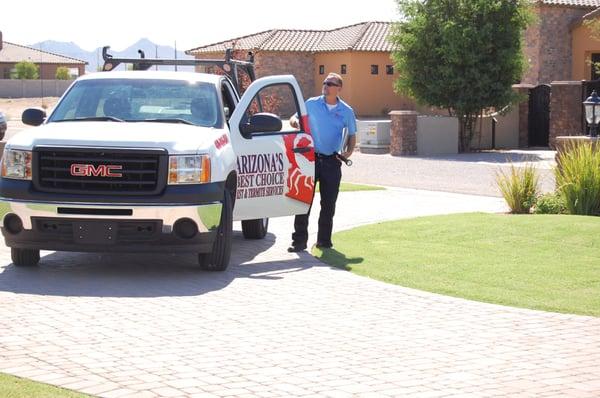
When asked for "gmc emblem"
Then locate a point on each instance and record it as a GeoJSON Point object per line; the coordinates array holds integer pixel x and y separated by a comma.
{"type": "Point", "coordinates": [89, 170]}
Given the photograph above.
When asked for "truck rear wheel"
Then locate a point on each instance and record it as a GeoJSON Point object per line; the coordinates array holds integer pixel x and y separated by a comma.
{"type": "Point", "coordinates": [255, 229]}
{"type": "Point", "coordinates": [218, 259]}
{"type": "Point", "coordinates": [24, 257]}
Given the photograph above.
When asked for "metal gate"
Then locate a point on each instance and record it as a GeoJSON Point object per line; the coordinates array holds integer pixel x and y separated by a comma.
{"type": "Point", "coordinates": [539, 115]}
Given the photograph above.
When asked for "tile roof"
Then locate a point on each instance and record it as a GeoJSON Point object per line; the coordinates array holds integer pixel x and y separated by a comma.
{"type": "Point", "coordinates": [375, 36]}
{"type": "Point", "coordinates": [573, 3]}
{"type": "Point", "coordinates": [13, 53]}
{"type": "Point", "coordinates": [365, 36]}
{"type": "Point", "coordinates": [590, 15]}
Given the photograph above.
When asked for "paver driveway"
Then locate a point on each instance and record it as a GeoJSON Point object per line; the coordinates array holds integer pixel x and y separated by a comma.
{"type": "Point", "coordinates": [277, 324]}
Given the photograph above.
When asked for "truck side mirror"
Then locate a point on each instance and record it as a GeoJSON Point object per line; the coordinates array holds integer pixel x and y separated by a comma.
{"type": "Point", "coordinates": [261, 123]}
{"type": "Point", "coordinates": [33, 116]}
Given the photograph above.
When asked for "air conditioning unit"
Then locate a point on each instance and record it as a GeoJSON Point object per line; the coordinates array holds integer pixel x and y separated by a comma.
{"type": "Point", "coordinates": [374, 136]}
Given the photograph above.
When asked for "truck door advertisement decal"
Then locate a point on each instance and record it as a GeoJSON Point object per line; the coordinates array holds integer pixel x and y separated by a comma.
{"type": "Point", "coordinates": [300, 186]}
{"type": "Point", "coordinates": [260, 175]}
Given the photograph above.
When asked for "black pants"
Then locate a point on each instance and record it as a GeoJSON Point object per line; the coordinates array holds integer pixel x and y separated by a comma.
{"type": "Point", "coordinates": [328, 172]}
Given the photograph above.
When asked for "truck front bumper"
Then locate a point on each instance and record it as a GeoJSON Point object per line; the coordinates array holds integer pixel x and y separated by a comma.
{"type": "Point", "coordinates": [116, 227]}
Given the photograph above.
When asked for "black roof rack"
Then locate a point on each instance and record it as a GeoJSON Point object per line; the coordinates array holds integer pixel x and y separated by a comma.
{"type": "Point", "coordinates": [228, 65]}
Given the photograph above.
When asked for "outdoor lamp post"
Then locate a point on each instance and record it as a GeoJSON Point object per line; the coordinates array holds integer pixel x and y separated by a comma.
{"type": "Point", "coordinates": [592, 112]}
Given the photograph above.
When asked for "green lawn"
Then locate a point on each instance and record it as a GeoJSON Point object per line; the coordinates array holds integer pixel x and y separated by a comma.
{"type": "Point", "coordinates": [348, 187]}
{"type": "Point", "coordinates": [545, 262]}
{"type": "Point", "coordinates": [16, 387]}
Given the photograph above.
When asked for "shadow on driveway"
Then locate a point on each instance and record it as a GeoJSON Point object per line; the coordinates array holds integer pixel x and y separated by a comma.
{"type": "Point", "coordinates": [143, 275]}
{"type": "Point", "coordinates": [493, 157]}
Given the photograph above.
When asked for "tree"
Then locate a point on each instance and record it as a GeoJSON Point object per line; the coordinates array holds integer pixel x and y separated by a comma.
{"type": "Point", "coordinates": [27, 70]}
{"type": "Point", "coordinates": [462, 55]}
{"type": "Point", "coordinates": [62, 73]}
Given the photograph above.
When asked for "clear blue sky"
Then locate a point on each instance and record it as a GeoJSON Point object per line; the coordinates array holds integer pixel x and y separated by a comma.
{"type": "Point", "coordinates": [190, 23]}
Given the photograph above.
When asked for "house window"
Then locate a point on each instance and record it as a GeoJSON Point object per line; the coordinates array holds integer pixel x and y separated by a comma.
{"type": "Point", "coordinates": [321, 69]}
{"type": "Point", "coordinates": [374, 69]}
{"type": "Point", "coordinates": [343, 69]}
{"type": "Point", "coordinates": [389, 69]}
{"type": "Point", "coordinates": [595, 66]}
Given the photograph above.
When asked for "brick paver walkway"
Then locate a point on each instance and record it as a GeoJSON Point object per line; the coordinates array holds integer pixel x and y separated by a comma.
{"type": "Point", "coordinates": [279, 325]}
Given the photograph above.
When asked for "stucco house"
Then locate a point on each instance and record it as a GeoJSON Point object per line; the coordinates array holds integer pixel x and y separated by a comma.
{"type": "Point", "coordinates": [48, 63]}
{"type": "Point", "coordinates": [360, 53]}
{"type": "Point", "coordinates": [558, 46]}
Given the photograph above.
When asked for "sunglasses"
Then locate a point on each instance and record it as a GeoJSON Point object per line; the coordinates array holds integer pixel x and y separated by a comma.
{"type": "Point", "coordinates": [331, 84]}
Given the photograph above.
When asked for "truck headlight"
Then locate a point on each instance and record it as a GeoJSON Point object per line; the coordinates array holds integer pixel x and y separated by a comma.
{"type": "Point", "coordinates": [16, 164]}
{"type": "Point", "coordinates": [189, 169]}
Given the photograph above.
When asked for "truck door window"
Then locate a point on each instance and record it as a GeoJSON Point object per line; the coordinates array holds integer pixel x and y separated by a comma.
{"type": "Point", "coordinates": [277, 99]}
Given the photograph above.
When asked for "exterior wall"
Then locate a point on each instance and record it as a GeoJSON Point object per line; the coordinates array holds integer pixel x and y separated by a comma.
{"type": "Point", "coordinates": [548, 44]}
{"type": "Point", "coordinates": [565, 110]}
{"type": "Point", "coordinates": [523, 91]}
{"type": "Point", "coordinates": [369, 95]}
{"type": "Point", "coordinates": [299, 64]}
{"type": "Point", "coordinates": [437, 135]}
{"type": "Point", "coordinates": [12, 88]}
{"type": "Point", "coordinates": [332, 62]}
{"type": "Point", "coordinates": [47, 71]}
{"type": "Point", "coordinates": [507, 131]}
{"type": "Point", "coordinates": [583, 47]}
{"type": "Point", "coordinates": [531, 49]}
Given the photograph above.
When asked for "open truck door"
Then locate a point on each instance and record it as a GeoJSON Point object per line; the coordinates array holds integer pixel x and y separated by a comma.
{"type": "Point", "coordinates": [275, 162]}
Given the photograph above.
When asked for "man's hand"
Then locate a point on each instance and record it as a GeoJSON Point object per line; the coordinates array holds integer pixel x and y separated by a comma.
{"type": "Point", "coordinates": [294, 122]}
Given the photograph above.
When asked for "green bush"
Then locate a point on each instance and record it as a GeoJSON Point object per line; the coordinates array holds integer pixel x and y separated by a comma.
{"type": "Point", "coordinates": [550, 203]}
{"type": "Point", "coordinates": [26, 70]}
{"type": "Point", "coordinates": [519, 187]}
{"type": "Point", "coordinates": [578, 179]}
{"type": "Point", "coordinates": [62, 73]}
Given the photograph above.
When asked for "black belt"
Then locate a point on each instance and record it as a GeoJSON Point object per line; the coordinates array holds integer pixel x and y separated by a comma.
{"type": "Point", "coordinates": [322, 156]}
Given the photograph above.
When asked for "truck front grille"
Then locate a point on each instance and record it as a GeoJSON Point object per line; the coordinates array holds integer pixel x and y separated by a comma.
{"type": "Point", "coordinates": [100, 171]}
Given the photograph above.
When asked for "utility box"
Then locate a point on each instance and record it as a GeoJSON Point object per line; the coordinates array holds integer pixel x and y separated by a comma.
{"type": "Point", "coordinates": [374, 136]}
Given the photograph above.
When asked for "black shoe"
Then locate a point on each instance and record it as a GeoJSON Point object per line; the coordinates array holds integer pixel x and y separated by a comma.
{"type": "Point", "coordinates": [321, 245]}
{"type": "Point", "coordinates": [297, 247]}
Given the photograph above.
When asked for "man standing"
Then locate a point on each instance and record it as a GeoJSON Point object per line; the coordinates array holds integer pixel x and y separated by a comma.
{"type": "Point", "coordinates": [328, 116]}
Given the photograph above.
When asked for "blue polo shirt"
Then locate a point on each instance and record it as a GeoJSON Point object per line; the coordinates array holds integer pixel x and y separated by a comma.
{"type": "Point", "coordinates": [327, 125]}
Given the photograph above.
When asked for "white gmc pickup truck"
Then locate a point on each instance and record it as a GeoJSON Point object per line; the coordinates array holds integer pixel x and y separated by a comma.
{"type": "Point", "coordinates": [153, 161]}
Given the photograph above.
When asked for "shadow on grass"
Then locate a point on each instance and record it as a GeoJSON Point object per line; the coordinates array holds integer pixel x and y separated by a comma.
{"type": "Point", "coordinates": [337, 259]}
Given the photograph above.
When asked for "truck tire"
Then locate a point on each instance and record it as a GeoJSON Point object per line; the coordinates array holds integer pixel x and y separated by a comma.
{"type": "Point", "coordinates": [24, 257]}
{"type": "Point", "coordinates": [255, 229]}
{"type": "Point", "coordinates": [218, 259]}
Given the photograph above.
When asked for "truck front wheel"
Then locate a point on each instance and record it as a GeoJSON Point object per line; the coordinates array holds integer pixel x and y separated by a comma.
{"type": "Point", "coordinates": [24, 257]}
{"type": "Point", "coordinates": [255, 229]}
{"type": "Point", "coordinates": [218, 259]}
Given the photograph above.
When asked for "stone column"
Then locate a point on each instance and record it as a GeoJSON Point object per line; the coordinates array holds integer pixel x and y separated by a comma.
{"type": "Point", "coordinates": [565, 110]}
{"type": "Point", "coordinates": [523, 91]}
{"type": "Point", "coordinates": [403, 133]}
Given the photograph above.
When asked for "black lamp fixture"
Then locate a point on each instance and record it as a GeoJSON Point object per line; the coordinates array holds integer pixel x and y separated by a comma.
{"type": "Point", "coordinates": [592, 112]}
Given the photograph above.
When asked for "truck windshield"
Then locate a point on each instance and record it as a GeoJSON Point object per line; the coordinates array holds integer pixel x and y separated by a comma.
{"type": "Point", "coordinates": [140, 100]}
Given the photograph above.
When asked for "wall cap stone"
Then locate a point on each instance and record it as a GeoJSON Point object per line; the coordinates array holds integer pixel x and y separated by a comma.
{"type": "Point", "coordinates": [402, 113]}
{"type": "Point", "coordinates": [584, 138]}
{"type": "Point", "coordinates": [524, 85]}
{"type": "Point", "coordinates": [566, 83]}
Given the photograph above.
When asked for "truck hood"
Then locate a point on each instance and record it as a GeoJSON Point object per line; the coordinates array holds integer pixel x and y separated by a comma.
{"type": "Point", "coordinates": [175, 138]}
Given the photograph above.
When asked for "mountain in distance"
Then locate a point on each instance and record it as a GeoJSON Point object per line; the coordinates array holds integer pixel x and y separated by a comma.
{"type": "Point", "coordinates": [94, 57]}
